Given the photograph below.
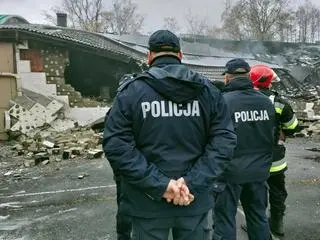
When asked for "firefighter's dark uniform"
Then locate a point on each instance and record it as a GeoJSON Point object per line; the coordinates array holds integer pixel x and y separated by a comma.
{"type": "Point", "coordinates": [245, 178]}
{"type": "Point", "coordinates": [168, 123]}
{"type": "Point", "coordinates": [287, 124]}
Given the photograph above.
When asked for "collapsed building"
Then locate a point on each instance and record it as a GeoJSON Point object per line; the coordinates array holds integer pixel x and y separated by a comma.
{"type": "Point", "coordinates": [56, 81]}
{"type": "Point", "coordinates": [77, 69]}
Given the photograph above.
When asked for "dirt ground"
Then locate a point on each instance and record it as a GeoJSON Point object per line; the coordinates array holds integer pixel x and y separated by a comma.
{"type": "Point", "coordinates": [75, 199]}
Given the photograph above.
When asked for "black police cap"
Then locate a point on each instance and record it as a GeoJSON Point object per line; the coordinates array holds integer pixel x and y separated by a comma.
{"type": "Point", "coordinates": [237, 66]}
{"type": "Point", "coordinates": [164, 41]}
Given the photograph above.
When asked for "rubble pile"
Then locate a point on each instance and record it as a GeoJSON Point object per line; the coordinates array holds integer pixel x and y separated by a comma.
{"type": "Point", "coordinates": [31, 113]}
{"type": "Point", "coordinates": [48, 146]}
{"type": "Point", "coordinates": [43, 134]}
{"type": "Point", "coordinates": [311, 129]}
{"type": "Point", "coordinates": [301, 79]}
{"type": "Point", "coordinates": [305, 55]}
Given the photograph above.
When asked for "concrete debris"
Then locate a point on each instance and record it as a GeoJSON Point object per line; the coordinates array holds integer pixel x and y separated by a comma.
{"type": "Point", "coordinates": [8, 173]}
{"type": "Point", "coordinates": [29, 121]}
{"type": "Point", "coordinates": [43, 134]}
{"type": "Point", "coordinates": [81, 176]}
{"type": "Point", "coordinates": [309, 129]}
{"type": "Point", "coordinates": [29, 163]}
{"type": "Point", "coordinates": [313, 128]}
{"type": "Point", "coordinates": [48, 143]}
{"type": "Point", "coordinates": [57, 146]}
{"type": "Point", "coordinates": [40, 157]}
{"type": "Point", "coordinates": [95, 153]}
{"type": "Point", "coordinates": [45, 162]}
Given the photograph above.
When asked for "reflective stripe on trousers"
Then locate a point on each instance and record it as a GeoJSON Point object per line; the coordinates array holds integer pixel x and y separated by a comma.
{"type": "Point", "coordinates": [278, 165]}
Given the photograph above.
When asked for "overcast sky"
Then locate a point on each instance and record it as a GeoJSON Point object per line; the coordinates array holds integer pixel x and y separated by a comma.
{"type": "Point", "coordinates": [153, 10]}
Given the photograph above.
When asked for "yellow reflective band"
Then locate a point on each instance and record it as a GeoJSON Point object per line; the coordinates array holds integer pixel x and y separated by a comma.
{"type": "Point", "coordinates": [278, 168]}
{"type": "Point", "coordinates": [278, 110]}
{"type": "Point", "coordinates": [292, 124]}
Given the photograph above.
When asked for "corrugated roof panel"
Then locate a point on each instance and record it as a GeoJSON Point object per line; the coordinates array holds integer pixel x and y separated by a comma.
{"type": "Point", "coordinates": [3, 18]}
{"type": "Point", "coordinates": [92, 40]}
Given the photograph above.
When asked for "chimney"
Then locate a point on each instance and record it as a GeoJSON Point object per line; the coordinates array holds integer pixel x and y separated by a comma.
{"type": "Point", "coordinates": [62, 19]}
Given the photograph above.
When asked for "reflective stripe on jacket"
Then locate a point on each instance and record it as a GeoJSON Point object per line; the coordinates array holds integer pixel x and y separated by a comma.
{"type": "Point", "coordinates": [287, 123]}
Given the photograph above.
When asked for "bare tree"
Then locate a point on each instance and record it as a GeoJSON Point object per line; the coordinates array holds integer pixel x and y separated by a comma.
{"type": "Point", "coordinates": [195, 24]}
{"type": "Point", "coordinates": [308, 19]}
{"type": "Point", "coordinates": [314, 20]}
{"type": "Point", "coordinates": [233, 21]}
{"type": "Point", "coordinates": [286, 26]}
{"type": "Point", "coordinates": [83, 14]}
{"type": "Point", "coordinates": [171, 23]}
{"type": "Point", "coordinates": [122, 18]}
{"type": "Point", "coordinates": [302, 18]}
{"type": "Point", "coordinates": [255, 19]}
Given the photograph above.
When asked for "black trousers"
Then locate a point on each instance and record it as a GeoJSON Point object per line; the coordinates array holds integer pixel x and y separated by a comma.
{"type": "Point", "coordinates": [183, 228]}
{"type": "Point", "coordinates": [277, 193]}
{"type": "Point", "coordinates": [254, 200]}
{"type": "Point", "coordinates": [123, 222]}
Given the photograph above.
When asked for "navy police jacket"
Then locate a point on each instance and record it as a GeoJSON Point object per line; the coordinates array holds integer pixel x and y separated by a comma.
{"type": "Point", "coordinates": [167, 123]}
{"type": "Point", "coordinates": [254, 120]}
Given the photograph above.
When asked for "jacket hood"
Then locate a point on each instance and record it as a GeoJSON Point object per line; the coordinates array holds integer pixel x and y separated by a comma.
{"type": "Point", "coordinates": [173, 80]}
{"type": "Point", "coordinates": [238, 83]}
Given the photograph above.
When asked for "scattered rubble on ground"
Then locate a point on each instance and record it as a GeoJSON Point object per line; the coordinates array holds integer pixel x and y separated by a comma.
{"type": "Point", "coordinates": [310, 129]}
{"type": "Point", "coordinates": [46, 147]}
{"type": "Point", "coordinates": [40, 133]}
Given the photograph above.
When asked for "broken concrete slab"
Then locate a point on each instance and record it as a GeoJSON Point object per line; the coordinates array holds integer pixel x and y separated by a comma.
{"type": "Point", "coordinates": [30, 120]}
{"type": "Point", "coordinates": [49, 143]}
{"type": "Point", "coordinates": [95, 153]}
{"type": "Point", "coordinates": [86, 116]}
{"type": "Point", "coordinates": [40, 157]}
{"type": "Point", "coordinates": [45, 162]}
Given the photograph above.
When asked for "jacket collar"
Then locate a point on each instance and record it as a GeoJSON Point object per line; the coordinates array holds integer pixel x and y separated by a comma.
{"type": "Point", "coordinates": [268, 92]}
{"type": "Point", "coordinates": [165, 60]}
{"type": "Point", "coordinates": [238, 83]}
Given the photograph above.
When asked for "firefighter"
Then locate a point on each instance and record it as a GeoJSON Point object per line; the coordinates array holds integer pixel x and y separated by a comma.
{"type": "Point", "coordinates": [287, 123]}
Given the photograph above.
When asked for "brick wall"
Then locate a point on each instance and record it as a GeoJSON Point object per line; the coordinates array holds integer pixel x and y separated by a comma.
{"type": "Point", "coordinates": [52, 61]}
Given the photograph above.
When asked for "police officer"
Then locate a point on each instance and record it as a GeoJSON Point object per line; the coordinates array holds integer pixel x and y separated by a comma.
{"type": "Point", "coordinates": [123, 222]}
{"type": "Point", "coordinates": [246, 176]}
{"type": "Point", "coordinates": [287, 124]}
{"type": "Point", "coordinates": [169, 136]}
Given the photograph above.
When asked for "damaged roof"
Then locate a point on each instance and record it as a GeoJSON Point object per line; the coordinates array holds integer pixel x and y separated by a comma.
{"type": "Point", "coordinates": [76, 37]}
{"type": "Point", "coordinates": [200, 54]}
{"type": "Point", "coordinates": [11, 19]}
{"type": "Point", "coordinates": [201, 57]}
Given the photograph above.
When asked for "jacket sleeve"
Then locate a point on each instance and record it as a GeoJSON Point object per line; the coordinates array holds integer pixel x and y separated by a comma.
{"type": "Point", "coordinates": [219, 149]}
{"type": "Point", "coordinates": [288, 119]}
{"type": "Point", "coordinates": [120, 149]}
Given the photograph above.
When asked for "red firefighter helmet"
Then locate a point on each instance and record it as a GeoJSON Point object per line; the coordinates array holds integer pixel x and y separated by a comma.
{"type": "Point", "coordinates": [262, 76]}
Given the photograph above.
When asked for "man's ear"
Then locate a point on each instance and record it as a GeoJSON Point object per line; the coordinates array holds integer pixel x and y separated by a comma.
{"type": "Point", "coordinates": [180, 55]}
{"type": "Point", "coordinates": [149, 57]}
{"type": "Point", "coordinates": [227, 79]}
